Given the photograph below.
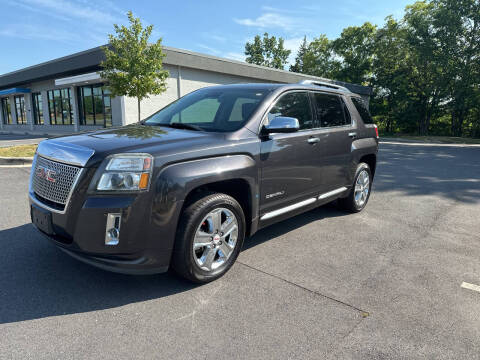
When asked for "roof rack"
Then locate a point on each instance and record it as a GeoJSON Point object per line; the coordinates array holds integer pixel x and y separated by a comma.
{"type": "Point", "coordinates": [324, 84]}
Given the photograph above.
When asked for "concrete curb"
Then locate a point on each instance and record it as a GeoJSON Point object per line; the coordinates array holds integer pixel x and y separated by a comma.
{"type": "Point", "coordinates": [15, 160]}
{"type": "Point", "coordinates": [429, 144]}
{"type": "Point", "coordinates": [421, 142]}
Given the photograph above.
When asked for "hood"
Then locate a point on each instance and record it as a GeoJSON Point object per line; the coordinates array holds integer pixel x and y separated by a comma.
{"type": "Point", "coordinates": [135, 138]}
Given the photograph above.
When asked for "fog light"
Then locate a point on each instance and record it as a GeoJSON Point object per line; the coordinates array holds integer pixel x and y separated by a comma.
{"type": "Point", "coordinates": [112, 231]}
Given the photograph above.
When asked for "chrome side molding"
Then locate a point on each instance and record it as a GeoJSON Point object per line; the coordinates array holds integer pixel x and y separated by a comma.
{"type": "Point", "coordinates": [286, 209]}
{"type": "Point", "coordinates": [300, 204]}
{"type": "Point", "coordinates": [64, 152]}
{"type": "Point", "coordinates": [331, 193]}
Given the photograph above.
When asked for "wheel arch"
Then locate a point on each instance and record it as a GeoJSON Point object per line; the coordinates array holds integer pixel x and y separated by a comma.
{"type": "Point", "coordinates": [371, 161]}
{"type": "Point", "coordinates": [234, 175]}
{"type": "Point", "coordinates": [237, 188]}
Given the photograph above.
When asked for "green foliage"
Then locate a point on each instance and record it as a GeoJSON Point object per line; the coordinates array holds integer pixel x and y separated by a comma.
{"type": "Point", "coordinates": [424, 68]}
{"type": "Point", "coordinates": [267, 52]}
{"type": "Point", "coordinates": [316, 58]}
{"type": "Point", "coordinates": [355, 47]}
{"type": "Point", "coordinates": [132, 66]}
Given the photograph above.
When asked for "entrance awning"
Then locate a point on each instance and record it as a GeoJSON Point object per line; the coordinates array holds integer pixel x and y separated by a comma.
{"type": "Point", "coordinates": [14, 91]}
{"type": "Point", "coordinates": [79, 79]}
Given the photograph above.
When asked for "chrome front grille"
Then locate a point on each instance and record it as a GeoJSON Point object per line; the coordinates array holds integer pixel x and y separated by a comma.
{"type": "Point", "coordinates": [53, 181]}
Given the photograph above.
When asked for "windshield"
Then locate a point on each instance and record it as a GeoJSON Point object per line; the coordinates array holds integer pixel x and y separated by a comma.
{"type": "Point", "coordinates": [211, 109]}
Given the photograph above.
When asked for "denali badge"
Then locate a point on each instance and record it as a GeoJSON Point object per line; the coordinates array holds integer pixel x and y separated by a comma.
{"type": "Point", "coordinates": [269, 196]}
{"type": "Point", "coordinates": [46, 173]}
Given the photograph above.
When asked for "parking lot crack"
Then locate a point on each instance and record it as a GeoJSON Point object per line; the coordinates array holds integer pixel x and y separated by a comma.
{"type": "Point", "coordinates": [364, 313]}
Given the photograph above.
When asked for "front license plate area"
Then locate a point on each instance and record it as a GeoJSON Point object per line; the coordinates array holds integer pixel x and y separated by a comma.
{"type": "Point", "coordinates": [42, 219]}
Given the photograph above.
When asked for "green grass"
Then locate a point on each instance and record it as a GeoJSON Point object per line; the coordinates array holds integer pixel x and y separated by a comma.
{"type": "Point", "coordinates": [18, 151]}
{"type": "Point", "coordinates": [434, 139]}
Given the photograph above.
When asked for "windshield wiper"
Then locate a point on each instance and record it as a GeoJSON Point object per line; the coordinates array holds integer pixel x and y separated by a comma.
{"type": "Point", "coordinates": [177, 125]}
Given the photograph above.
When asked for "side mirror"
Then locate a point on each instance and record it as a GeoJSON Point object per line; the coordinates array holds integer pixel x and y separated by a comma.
{"type": "Point", "coordinates": [282, 124]}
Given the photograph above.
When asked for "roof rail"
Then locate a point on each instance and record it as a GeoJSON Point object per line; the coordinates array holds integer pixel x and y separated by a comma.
{"type": "Point", "coordinates": [324, 84]}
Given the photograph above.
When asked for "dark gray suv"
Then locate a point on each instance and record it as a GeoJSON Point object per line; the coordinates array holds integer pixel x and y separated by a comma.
{"type": "Point", "coordinates": [184, 187]}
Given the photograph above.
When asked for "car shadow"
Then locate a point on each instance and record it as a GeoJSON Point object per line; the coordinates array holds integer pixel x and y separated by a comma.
{"type": "Point", "coordinates": [38, 280]}
{"type": "Point", "coordinates": [329, 210]}
{"type": "Point", "coordinates": [416, 170]}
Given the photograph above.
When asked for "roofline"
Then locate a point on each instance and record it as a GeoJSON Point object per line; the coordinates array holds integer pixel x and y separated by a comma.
{"type": "Point", "coordinates": [89, 61]}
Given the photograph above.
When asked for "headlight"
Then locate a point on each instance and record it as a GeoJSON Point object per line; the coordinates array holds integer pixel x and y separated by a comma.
{"type": "Point", "coordinates": [126, 172]}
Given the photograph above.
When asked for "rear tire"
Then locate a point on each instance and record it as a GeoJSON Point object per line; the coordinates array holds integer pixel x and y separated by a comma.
{"type": "Point", "coordinates": [359, 194]}
{"type": "Point", "coordinates": [209, 238]}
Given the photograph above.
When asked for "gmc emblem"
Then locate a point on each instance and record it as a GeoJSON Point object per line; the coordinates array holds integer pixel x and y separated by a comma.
{"type": "Point", "coordinates": [46, 173]}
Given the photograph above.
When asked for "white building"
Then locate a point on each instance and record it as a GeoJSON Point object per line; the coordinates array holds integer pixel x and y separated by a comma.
{"type": "Point", "coordinates": [66, 95]}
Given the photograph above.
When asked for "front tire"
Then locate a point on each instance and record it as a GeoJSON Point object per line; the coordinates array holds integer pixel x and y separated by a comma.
{"type": "Point", "coordinates": [358, 197]}
{"type": "Point", "coordinates": [209, 238]}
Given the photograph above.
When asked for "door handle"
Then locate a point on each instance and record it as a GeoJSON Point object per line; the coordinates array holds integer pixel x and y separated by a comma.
{"type": "Point", "coordinates": [313, 140]}
{"type": "Point", "coordinates": [353, 135]}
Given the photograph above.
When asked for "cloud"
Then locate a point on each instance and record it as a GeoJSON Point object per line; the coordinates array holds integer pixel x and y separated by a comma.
{"type": "Point", "coordinates": [270, 20]}
{"type": "Point", "coordinates": [37, 10]}
{"type": "Point", "coordinates": [31, 32]}
{"type": "Point", "coordinates": [87, 11]}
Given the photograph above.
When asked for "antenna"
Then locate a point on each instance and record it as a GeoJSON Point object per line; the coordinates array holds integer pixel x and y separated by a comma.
{"type": "Point", "coordinates": [324, 84]}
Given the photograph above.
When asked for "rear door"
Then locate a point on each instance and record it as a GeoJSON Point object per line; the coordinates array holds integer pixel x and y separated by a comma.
{"type": "Point", "coordinates": [289, 165]}
{"type": "Point", "coordinates": [336, 135]}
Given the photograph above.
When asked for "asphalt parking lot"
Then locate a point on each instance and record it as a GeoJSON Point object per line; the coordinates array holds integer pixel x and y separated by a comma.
{"type": "Point", "coordinates": [382, 284]}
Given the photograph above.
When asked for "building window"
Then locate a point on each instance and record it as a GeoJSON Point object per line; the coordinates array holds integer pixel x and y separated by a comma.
{"type": "Point", "coordinates": [20, 109]}
{"type": "Point", "coordinates": [60, 107]}
{"type": "Point", "coordinates": [37, 109]}
{"type": "Point", "coordinates": [6, 111]}
{"type": "Point", "coordinates": [95, 106]}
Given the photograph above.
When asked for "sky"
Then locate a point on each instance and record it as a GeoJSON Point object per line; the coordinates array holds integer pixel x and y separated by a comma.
{"type": "Point", "coordinates": [33, 31]}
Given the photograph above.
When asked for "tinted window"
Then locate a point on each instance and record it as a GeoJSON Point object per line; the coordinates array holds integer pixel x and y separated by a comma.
{"type": "Point", "coordinates": [242, 109]}
{"type": "Point", "coordinates": [203, 111]}
{"type": "Point", "coordinates": [7, 113]}
{"type": "Point", "coordinates": [60, 107]}
{"type": "Point", "coordinates": [212, 109]}
{"type": "Point", "coordinates": [296, 105]}
{"type": "Point", "coordinates": [330, 110]}
{"type": "Point", "coordinates": [362, 110]}
{"type": "Point", "coordinates": [37, 108]}
{"type": "Point", "coordinates": [94, 105]}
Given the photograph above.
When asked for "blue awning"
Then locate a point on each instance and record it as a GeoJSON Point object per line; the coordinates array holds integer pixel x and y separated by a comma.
{"type": "Point", "coordinates": [14, 91]}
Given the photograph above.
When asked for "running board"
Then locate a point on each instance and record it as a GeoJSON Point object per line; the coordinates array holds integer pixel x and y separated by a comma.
{"type": "Point", "coordinates": [300, 204]}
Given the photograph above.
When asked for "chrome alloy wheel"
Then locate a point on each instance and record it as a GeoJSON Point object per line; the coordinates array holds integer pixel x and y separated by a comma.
{"type": "Point", "coordinates": [215, 239]}
{"type": "Point", "coordinates": [362, 188]}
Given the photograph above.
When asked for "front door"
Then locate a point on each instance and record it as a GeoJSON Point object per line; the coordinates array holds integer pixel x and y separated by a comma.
{"type": "Point", "coordinates": [289, 162]}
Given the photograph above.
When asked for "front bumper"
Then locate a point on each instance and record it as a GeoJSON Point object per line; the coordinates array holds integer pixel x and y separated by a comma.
{"type": "Point", "coordinates": [80, 232]}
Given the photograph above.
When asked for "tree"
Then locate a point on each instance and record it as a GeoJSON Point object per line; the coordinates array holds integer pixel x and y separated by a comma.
{"type": "Point", "coordinates": [300, 58]}
{"type": "Point", "coordinates": [267, 52]}
{"type": "Point", "coordinates": [457, 32]}
{"type": "Point", "coordinates": [390, 76]}
{"type": "Point", "coordinates": [355, 48]}
{"type": "Point", "coordinates": [133, 67]}
{"type": "Point", "coordinates": [320, 59]}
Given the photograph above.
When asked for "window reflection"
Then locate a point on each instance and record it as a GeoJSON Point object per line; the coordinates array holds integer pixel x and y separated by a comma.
{"type": "Point", "coordinates": [95, 107]}
{"type": "Point", "coordinates": [6, 111]}
{"type": "Point", "coordinates": [60, 106]}
{"type": "Point", "coordinates": [37, 109]}
{"type": "Point", "coordinates": [20, 109]}
{"type": "Point", "coordinates": [295, 105]}
{"type": "Point", "coordinates": [330, 111]}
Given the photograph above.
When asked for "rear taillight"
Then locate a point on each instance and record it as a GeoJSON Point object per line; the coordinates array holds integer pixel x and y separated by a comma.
{"type": "Point", "coordinates": [376, 131]}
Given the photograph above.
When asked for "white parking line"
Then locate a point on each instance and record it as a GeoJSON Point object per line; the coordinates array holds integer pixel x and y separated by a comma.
{"type": "Point", "coordinates": [469, 286]}
{"type": "Point", "coordinates": [16, 166]}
